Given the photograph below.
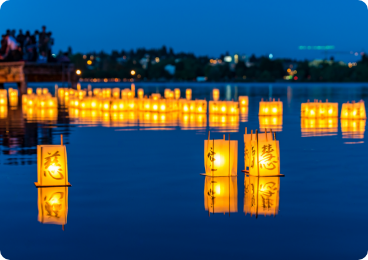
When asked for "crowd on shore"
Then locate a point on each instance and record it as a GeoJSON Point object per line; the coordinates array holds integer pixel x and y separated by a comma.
{"type": "Point", "coordinates": [26, 47]}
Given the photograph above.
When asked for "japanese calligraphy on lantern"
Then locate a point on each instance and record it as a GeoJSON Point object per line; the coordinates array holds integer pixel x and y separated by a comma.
{"type": "Point", "coordinates": [220, 194]}
{"type": "Point", "coordinates": [264, 158]}
{"type": "Point", "coordinates": [52, 165]}
{"type": "Point", "coordinates": [53, 205]}
{"type": "Point", "coordinates": [221, 157]}
{"type": "Point", "coordinates": [261, 195]}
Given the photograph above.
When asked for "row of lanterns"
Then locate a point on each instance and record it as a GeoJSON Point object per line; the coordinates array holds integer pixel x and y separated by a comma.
{"type": "Point", "coordinates": [262, 166]}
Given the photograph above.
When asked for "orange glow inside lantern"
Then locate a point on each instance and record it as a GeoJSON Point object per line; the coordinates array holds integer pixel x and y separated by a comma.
{"type": "Point", "coordinates": [270, 122]}
{"type": "Point", "coordinates": [45, 90]}
{"type": "Point", "coordinates": [156, 96]}
{"type": "Point", "coordinates": [177, 93]}
{"type": "Point", "coordinates": [52, 166]}
{"type": "Point", "coordinates": [39, 91]}
{"type": "Point", "coordinates": [220, 194]}
{"type": "Point", "coordinates": [116, 93]}
{"type": "Point", "coordinates": [353, 110]}
{"type": "Point", "coordinates": [353, 128]}
{"type": "Point", "coordinates": [188, 94]}
{"type": "Point", "coordinates": [261, 195]}
{"type": "Point", "coordinates": [140, 93]}
{"type": "Point", "coordinates": [243, 114]}
{"type": "Point", "coordinates": [29, 91]}
{"type": "Point", "coordinates": [216, 94]}
{"type": "Point", "coordinates": [96, 92]}
{"type": "Point", "coordinates": [243, 101]}
{"type": "Point", "coordinates": [3, 112]}
{"type": "Point", "coordinates": [270, 108]}
{"type": "Point", "coordinates": [325, 126]}
{"type": "Point", "coordinates": [53, 205]}
{"type": "Point", "coordinates": [221, 157]}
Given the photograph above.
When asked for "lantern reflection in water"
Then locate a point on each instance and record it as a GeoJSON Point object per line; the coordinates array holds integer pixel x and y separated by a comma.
{"type": "Point", "coordinates": [3, 112]}
{"type": "Point", "coordinates": [243, 101]}
{"type": "Point", "coordinates": [220, 157]}
{"type": "Point", "coordinates": [243, 112]}
{"type": "Point", "coordinates": [353, 110]}
{"type": "Point", "coordinates": [224, 123]}
{"type": "Point", "coordinates": [270, 122]}
{"type": "Point", "coordinates": [319, 126]}
{"type": "Point", "coordinates": [261, 154]}
{"type": "Point", "coordinates": [53, 205]}
{"type": "Point", "coordinates": [319, 109]}
{"type": "Point", "coordinates": [270, 108]}
{"type": "Point", "coordinates": [188, 94]}
{"type": "Point", "coordinates": [220, 194]}
{"type": "Point", "coordinates": [261, 195]}
{"type": "Point", "coordinates": [193, 121]}
{"type": "Point", "coordinates": [353, 128]}
{"type": "Point", "coordinates": [215, 94]}
{"type": "Point", "coordinates": [52, 166]}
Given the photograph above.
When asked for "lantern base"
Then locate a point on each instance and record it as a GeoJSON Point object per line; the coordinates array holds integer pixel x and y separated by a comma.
{"type": "Point", "coordinates": [210, 175]}
{"type": "Point", "coordinates": [41, 186]}
{"type": "Point", "coordinates": [278, 175]}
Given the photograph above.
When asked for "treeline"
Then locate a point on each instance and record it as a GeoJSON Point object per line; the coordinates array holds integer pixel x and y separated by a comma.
{"type": "Point", "coordinates": [165, 65]}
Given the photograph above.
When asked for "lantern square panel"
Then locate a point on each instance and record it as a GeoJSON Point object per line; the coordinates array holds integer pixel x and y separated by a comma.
{"type": "Point", "coordinates": [53, 205]}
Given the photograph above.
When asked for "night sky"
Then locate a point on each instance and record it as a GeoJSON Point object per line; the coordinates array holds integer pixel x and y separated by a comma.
{"type": "Point", "coordinates": [204, 27]}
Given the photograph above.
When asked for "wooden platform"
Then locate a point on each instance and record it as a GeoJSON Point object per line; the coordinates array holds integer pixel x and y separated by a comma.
{"type": "Point", "coordinates": [21, 72]}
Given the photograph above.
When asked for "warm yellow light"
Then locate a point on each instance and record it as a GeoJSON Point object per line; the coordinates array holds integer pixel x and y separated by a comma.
{"type": "Point", "coordinates": [89, 62]}
{"type": "Point", "coordinates": [274, 110]}
{"type": "Point", "coordinates": [78, 72]}
{"type": "Point", "coordinates": [154, 107]}
{"type": "Point", "coordinates": [132, 72]}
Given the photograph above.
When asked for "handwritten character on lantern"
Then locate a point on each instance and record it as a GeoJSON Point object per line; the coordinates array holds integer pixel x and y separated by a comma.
{"type": "Point", "coordinates": [212, 194]}
{"type": "Point", "coordinates": [53, 166]}
{"type": "Point", "coordinates": [253, 156]}
{"type": "Point", "coordinates": [267, 190]}
{"type": "Point", "coordinates": [53, 205]}
{"type": "Point", "coordinates": [211, 156]}
{"type": "Point", "coordinates": [266, 160]}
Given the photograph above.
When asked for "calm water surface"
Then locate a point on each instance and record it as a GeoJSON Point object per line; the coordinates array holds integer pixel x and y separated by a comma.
{"type": "Point", "coordinates": [137, 192]}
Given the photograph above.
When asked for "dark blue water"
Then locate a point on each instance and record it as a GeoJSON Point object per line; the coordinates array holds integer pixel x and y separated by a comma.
{"type": "Point", "coordinates": [138, 194]}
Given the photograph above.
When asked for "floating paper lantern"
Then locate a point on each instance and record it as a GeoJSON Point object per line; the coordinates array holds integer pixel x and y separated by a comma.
{"type": "Point", "coordinates": [132, 90]}
{"type": "Point", "coordinates": [270, 122]}
{"type": "Point", "coordinates": [105, 104]}
{"type": "Point", "coordinates": [319, 126]}
{"type": "Point", "coordinates": [3, 97]}
{"type": "Point", "coordinates": [201, 106]}
{"type": "Point", "coordinates": [3, 112]}
{"type": "Point", "coordinates": [39, 91]}
{"type": "Point", "coordinates": [177, 93]}
{"type": "Point", "coordinates": [220, 194]}
{"type": "Point", "coordinates": [353, 128]}
{"type": "Point", "coordinates": [106, 93]}
{"type": "Point", "coordinates": [353, 110]}
{"type": "Point", "coordinates": [221, 157]}
{"type": "Point", "coordinates": [262, 154]}
{"type": "Point", "coordinates": [224, 107]}
{"type": "Point", "coordinates": [168, 93]}
{"type": "Point", "coordinates": [216, 94]}
{"type": "Point", "coordinates": [319, 109]}
{"type": "Point", "coordinates": [156, 96]}
{"type": "Point", "coordinates": [53, 205]}
{"type": "Point", "coordinates": [243, 101]}
{"type": "Point", "coordinates": [52, 165]}
{"type": "Point", "coordinates": [116, 93]}
{"type": "Point", "coordinates": [188, 94]}
{"type": "Point", "coordinates": [261, 195]}
{"type": "Point", "coordinates": [45, 90]}
{"type": "Point", "coordinates": [97, 92]}
{"type": "Point", "coordinates": [270, 108]}
{"type": "Point", "coordinates": [140, 93]}
{"type": "Point", "coordinates": [29, 91]}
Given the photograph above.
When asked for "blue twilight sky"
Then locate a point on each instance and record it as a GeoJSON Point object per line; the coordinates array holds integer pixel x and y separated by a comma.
{"type": "Point", "coordinates": [200, 26]}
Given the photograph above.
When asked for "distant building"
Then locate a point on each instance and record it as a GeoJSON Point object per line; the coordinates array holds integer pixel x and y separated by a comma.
{"type": "Point", "coordinates": [201, 79]}
{"type": "Point", "coordinates": [170, 69]}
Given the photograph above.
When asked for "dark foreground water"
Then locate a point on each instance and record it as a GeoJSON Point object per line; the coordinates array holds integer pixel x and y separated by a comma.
{"type": "Point", "coordinates": [137, 192]}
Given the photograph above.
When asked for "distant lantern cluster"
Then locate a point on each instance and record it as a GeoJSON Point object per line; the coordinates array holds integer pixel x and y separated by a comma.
{"type": "Point", "coordinates": [40, 105]}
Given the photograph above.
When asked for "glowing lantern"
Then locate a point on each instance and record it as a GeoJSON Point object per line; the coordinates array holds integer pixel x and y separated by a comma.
{"type": "Point", "coordinates": [53, 205]}
{"type": "Point", "coordinates": [3, 100]}
{"type": "Point", "coordinates": [126, 93]}
{"type": "Point", "coordinates": [270, 108]}
{"type": "Point", "coordinates": [132, 90]}
{"type": "Point", "coordinates": [262, 154]}
{"type": "Point", "coordinates": [220, 157]}
{"type": "Point", "coordinates": [156, 96]}
{"type": "Point", "coordinates": [243, 101]}
{"type": "Point", "coordinates": [353, 110]}
{"type": "Point", "coordinates": [188, 94]}
{"type": "Point", "coordinates": [216, 94]}
{"type": "Point", "coordinates": [29, 91]}
{"type": "Point", "coordinates": [45, 90]}
{"type": "Point", "coordinates": [319, 109]}
{"type": "Point", "coordinates": [52, 165]}
{"type": "Point", "coordinates": [270, 122]}
{"type": "Point", "coordinates": [167, 93]}
{"type": "Point", "coordinates": [3, 112]}
{"type": "Point", "coordinates": [140, 93]}
{"type": "Point", "coordinates": [319, 126]}
{"type": "Point", "coordinates": [177, 93]}
{"type": "Point", "coordinates": [201, 106]}
{"type": "Point", "coordinates": [105, 105]}
{"type": "Point", "coordinates": [116, 92]}
{"type": "Point", "coordinates": [39, 91]}
{"type": "Point", "coordinates": [106, 93]}
{"type": "Point", "coordinates": [220, 194]}
{"type": "Point", "coordinates": [261, 195]}
{"type": "Point", "coordinates": [97, 92]}
{"type": "Point", "coordinates": [353, 128]}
